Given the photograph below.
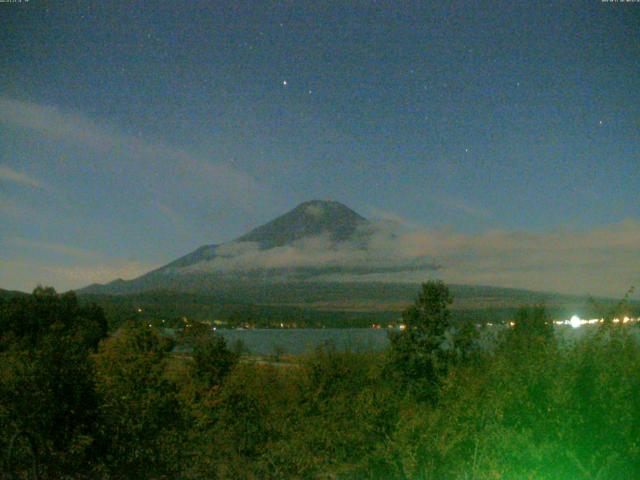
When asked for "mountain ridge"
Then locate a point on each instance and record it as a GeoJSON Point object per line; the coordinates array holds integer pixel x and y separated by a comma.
{"type": "Point", "coordinates": [310, 218]}
{"type": "Point", "coordinates": [329, 220]}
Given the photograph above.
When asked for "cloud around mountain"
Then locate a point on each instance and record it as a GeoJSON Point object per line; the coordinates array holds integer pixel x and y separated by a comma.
{"type": "Point", "coordinates": [602, 261]}
{"type": "Point", "coordinates": [327, 241]}
{"type": "Point", "coordinates": [312, 256]}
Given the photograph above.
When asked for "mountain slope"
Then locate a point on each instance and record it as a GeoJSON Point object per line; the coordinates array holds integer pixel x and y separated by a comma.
{"type": "Point", "coordinates": [8, 294]}
{"type": "Point", "coordinates": [330, 223]}
{"type": "Point", "coordinates": [320, 255]}
{"type": "Point", "coordinates": [309, 219]}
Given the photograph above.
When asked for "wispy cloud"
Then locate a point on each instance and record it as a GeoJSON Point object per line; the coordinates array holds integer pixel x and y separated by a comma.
{"type": "Point", "coordinates": [11, 175]}
{"type": "Point", "coordinates": [445, 201]}
{"type": "Point", "coordinates": [53, 247]}
{"type": "Point", "coordinates": [601, 261]}
{"type": "Point", "coordinates": [391, 218]}
{"type": "Point", "coordinates": [25, 274]}
{"type": "Point", "coordinates": [81, 276]}
{"type": "Point", "coordinates": [189, 172]}
{"type": "Point", "coordinates": [313, 255]}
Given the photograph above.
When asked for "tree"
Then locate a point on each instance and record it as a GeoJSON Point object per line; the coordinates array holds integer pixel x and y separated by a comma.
{"type": "Point", "coordinates": [26, 320]}
{"type": "Point", "coordinates": [420, 353]}
{"type": "Point", "coordinates": [608, 314]}
{"type": "Point", "coordinates": [531, 326]}
{"type": "Point", "coordinates": [141, 418]}
{"type": "Point", "coordinates": [212, 360]}
{"type": "Point", "coordinates": [46, 378]}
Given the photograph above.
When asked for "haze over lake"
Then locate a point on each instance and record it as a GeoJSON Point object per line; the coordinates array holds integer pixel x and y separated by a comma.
{"type": "Point", "coordinates": [306, 340]}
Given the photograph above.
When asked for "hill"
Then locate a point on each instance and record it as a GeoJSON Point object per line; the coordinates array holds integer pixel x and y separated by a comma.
{"type": "Point", "coordinates": [287, 269]}
{"type": "Point", "coordinates": [328, 304]}
{"type": "Point", "coordinates": [7, 294]}
{"type": "Point", "coordinates": [314, 240]}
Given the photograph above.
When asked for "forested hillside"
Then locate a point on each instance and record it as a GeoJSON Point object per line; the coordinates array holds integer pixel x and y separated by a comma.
{"type": "Point", "coordinates": [77, 402]}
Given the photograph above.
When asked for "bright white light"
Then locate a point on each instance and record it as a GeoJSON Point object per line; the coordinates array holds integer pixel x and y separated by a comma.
{"type": "Point", "coordinates": [575, 321]}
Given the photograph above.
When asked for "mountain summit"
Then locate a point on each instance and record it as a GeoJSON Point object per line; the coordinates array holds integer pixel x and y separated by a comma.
{"type": "Point", "coordinates": [305, 239]}
{"type": "Point", "coordinates": [309, 219]}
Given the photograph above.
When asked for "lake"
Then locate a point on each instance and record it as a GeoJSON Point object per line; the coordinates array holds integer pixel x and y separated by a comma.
{"type": "Point", "coordinates": [302, 340]}
{"type": "Point", "coordinates": [295, 341]}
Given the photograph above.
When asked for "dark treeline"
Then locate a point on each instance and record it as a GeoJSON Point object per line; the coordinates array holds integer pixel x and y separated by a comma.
{"type": "Point", "coordinates": [78, 402]}
{"type": "Point", "coordinates": [474, 304]}
{"type": "Point", "coordinates": [173, 307]}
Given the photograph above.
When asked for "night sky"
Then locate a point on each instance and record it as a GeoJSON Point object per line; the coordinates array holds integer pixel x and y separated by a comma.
{"type": "Point", "coordinates": [132, 133]}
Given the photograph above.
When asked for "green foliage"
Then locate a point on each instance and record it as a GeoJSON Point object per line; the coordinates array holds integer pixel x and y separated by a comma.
{"type": "Point", "coordinates": [212, 360]}
{"type": "Point", "coordinates": [239, 348]}
{"type": "Point", "coordinates": [47, 380]}
{"type": "Point", "coordinates": [140, 415]}
{"type": "Point", "coordinates": [26, 320]}
{"type": "Point", "coordinates": [348, 409]}
{"type": "Point", "coordinates": [533, 323]}
{"type": "Point", "coordinates": [531, 409]}
{"type": "Point", "coordinates": [419, 353]}
{"type": "Point", "coordinates": [601, 378]}
{"type": "Point", "coordinates": [528, 407]}
{"type": "Point", "coordinates": [530, 330]}
{"type": "Point", "coordinates": [618, 310]}
{"type": "Point", "coordinates": [236, 421]}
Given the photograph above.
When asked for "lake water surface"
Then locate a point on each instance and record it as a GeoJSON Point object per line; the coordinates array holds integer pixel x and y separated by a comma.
{"type": "Point", "coordinates": [304, 340]}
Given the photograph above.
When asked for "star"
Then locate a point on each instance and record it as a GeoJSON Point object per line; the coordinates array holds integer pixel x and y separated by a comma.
{"type": "Point", "coordinates": [284, 83]}
{"type": "Point", "coordinates": [601, 123]}
{"type": "Point", "coordinates": [466, 150]}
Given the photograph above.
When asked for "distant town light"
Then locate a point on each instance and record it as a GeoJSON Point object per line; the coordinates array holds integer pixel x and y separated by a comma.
{"type": "Point", "coordinates": [575, 321]}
